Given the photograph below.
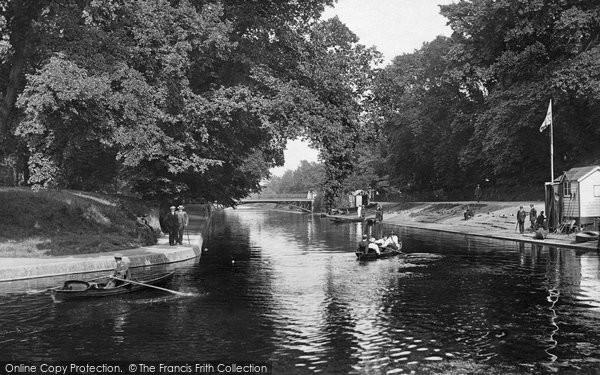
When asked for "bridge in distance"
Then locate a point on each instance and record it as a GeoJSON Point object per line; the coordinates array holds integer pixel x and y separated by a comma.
{"type": "Point", "coordinates": [299, 201]}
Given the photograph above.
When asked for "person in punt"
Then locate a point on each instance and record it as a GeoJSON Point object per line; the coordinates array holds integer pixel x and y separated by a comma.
{"type": "Point", "coordinates": [363, 245]}
{"type": "Point", "coordinates": [373, 246]}
{"type": "Point", "coordinates": [121, 271]}
{"type": "Point", "coordinates": [388, 243]}
{"type": "Point", "coordinates": [383, 242]}
{"type": "Point", "coordinates": [395, 240]}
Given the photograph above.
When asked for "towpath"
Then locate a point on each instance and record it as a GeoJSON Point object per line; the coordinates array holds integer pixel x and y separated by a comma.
{"type": "Point", "coordinates": [491, 219]}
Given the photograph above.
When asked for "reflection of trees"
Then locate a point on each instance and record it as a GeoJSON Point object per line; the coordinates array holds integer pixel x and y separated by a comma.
{"type": "Point", "coordinates": [234, 320]}
{"type": "Point", "coordinates": [338, 321]}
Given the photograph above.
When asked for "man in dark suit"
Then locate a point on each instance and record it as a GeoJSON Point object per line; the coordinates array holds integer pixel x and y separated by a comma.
{"type": "Point", "coordinates": [521, 215]}
{"type": "Point", "coordinates": [182, 222]}
{"type": "Point", "coordinates": [171, 224]}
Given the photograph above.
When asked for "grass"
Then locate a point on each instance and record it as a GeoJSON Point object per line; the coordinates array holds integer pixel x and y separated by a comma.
{"type": "Point", "coordinates": [47, 223]}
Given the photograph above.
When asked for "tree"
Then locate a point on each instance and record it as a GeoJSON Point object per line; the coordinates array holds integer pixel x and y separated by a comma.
{"type": "Point", "coordinates": [308, 176]}
{"type": "Point", "coordinates": [422, 105]}
{"type": "Point", "coordinates": [466, 108]}
{"type": "Point", "coordinates": [182, 98]}
{"type": "Point", "coordinates": [525, 53]}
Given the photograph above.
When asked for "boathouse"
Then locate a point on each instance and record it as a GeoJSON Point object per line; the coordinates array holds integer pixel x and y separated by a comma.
{"type": "Point", "coordinates": [579, 190]}
{"type": "Point", "coordinates": [358, 198]}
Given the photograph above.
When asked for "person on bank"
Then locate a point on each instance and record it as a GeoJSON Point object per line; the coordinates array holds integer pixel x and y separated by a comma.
{"type": "Point", "coordinates": [468, 213]}
{"type": "Point", "coordinates": [172, 225]}
{"type": "Point", "coordinates": [477, 193]}
{"type": "Point", "coordinates": [379, 213]}
{"type": "Point", "coordinates": [540, 222]}
{"type": "Point", "coordinates": [532, 217]}
{"type": "Point", "coordinates": [182, 222]}
{"type": "Point", "coordinates": [121, 271]}
{"type": "Point", "coordinates": [521, 214]}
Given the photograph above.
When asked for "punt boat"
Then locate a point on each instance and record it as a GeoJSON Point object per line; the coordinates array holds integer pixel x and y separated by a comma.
{"type": "Point", "coordinates": [385, 253]}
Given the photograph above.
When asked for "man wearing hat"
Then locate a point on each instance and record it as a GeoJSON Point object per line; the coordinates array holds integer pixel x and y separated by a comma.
{"type": "Point", "coordinates": [182, 222]}
{"type": "Point", "coordinates": [172, 225]}
{"type": "Point", "coordinates": [121, 271]}
{"type": "Point", "coordinates": [364, 244]}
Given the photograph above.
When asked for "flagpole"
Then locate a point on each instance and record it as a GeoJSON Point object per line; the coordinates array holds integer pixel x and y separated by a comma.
{"type": "Point", "coordinates": [551, 148]}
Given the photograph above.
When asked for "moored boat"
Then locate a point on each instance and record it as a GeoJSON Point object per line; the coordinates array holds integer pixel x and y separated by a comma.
{"type": "Point", "coordinates": [585, 236]}
{"type": "Point", "coordinates": [347, 219]}
{"type": "Point", "coordinates": [80, 289]}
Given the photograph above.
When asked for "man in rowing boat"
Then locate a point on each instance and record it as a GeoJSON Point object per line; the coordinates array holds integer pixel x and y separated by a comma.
{"type": "Point", "coordinates": [121, 272]}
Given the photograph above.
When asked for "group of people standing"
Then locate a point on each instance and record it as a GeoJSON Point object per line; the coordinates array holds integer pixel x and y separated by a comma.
{"type": "Point", "coordinates": [537, 221]}
{"type": "Point", "coordinates": [176, 221]}
{"type": "Point", "coordinates": [360, 211]}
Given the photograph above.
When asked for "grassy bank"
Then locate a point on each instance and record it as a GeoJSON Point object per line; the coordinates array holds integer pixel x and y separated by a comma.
{"type": "Point", "coordinates": [46, 223]}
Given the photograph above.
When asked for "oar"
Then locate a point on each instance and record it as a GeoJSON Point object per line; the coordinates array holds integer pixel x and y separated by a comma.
{"type": "Point", "coordinates": [98, 278]}
{"type": "Point", "coordinates": [152, 286]}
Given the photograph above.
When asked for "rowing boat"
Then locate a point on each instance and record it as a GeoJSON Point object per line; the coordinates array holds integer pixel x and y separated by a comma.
{"type": "Point", "coordinates": [80, 289]}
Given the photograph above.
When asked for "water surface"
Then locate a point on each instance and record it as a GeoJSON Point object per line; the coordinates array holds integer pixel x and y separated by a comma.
{"type": "Point", "coordinates": [286, 288]}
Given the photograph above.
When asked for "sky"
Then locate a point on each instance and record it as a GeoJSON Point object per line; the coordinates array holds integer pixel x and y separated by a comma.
{"type": "Point", "coordinates": [394, 27]}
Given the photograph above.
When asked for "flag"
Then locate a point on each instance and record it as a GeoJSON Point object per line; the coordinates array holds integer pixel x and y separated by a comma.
{"type": "Point", "coordinates": [548, 119]}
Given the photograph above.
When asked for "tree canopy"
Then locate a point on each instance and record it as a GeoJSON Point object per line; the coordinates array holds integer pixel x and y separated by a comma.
{"type": "Point", "coordinates": [198, 98]}
{"type": "Point", "coordinates": [175, 97]}
{"type": "Point", "coordinates": [469, 107]}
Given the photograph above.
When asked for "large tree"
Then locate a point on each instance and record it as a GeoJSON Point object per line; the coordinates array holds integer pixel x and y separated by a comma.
{"type": "Point", "coordinates": [521, 54]}
{"type": "Point", "coordinates": [178, 97]}
{"type": "Point", "coordinates": [468, 108]}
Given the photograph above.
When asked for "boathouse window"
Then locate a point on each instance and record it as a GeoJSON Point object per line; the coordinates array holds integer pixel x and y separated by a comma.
{"type": "Point", "coordinates": [567, 188]}
{"type": "Point", "coordinates": [596, 190]}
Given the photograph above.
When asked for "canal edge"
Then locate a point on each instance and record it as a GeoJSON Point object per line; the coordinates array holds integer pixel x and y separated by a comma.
{"type": "Point", "coordinates": [18, 269]}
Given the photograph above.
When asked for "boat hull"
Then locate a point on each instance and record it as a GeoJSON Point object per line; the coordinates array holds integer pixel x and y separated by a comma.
{"type": "Point", "coordinates": [586, 236]}
{"type": "Point", "coordinates": [63, 293]}
{"type": "Point", "coordinates": [341, 219]}
{"type": "Point", "coordinates": [386, 253]}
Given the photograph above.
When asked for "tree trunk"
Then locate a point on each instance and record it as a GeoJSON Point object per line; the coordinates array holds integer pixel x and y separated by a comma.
{"type": "Point", "coordinates": [20, 25]}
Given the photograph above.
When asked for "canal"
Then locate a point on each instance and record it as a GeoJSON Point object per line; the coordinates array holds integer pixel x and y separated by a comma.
{"type": "Point", "coordinates": [286, 288]}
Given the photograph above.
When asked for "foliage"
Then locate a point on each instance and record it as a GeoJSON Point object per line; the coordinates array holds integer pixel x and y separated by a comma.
{"type": "Point", "coordinates": [468, 108]}
{"type": "Point", "coordinates": [177, 98]}
{"type": "Point", "coordinates": [308, 176]}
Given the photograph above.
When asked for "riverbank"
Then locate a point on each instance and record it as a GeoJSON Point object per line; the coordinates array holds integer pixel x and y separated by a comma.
{"type": "Point", "coordinates": [24, 268]}
{"type": "Point", "coordinates": [491, 219]}
{"type": "Point", "coordinates": [53, 223]}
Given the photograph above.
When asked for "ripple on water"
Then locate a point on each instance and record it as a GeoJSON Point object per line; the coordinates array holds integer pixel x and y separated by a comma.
{"type": "Point", "coordinates": [400, 354]}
